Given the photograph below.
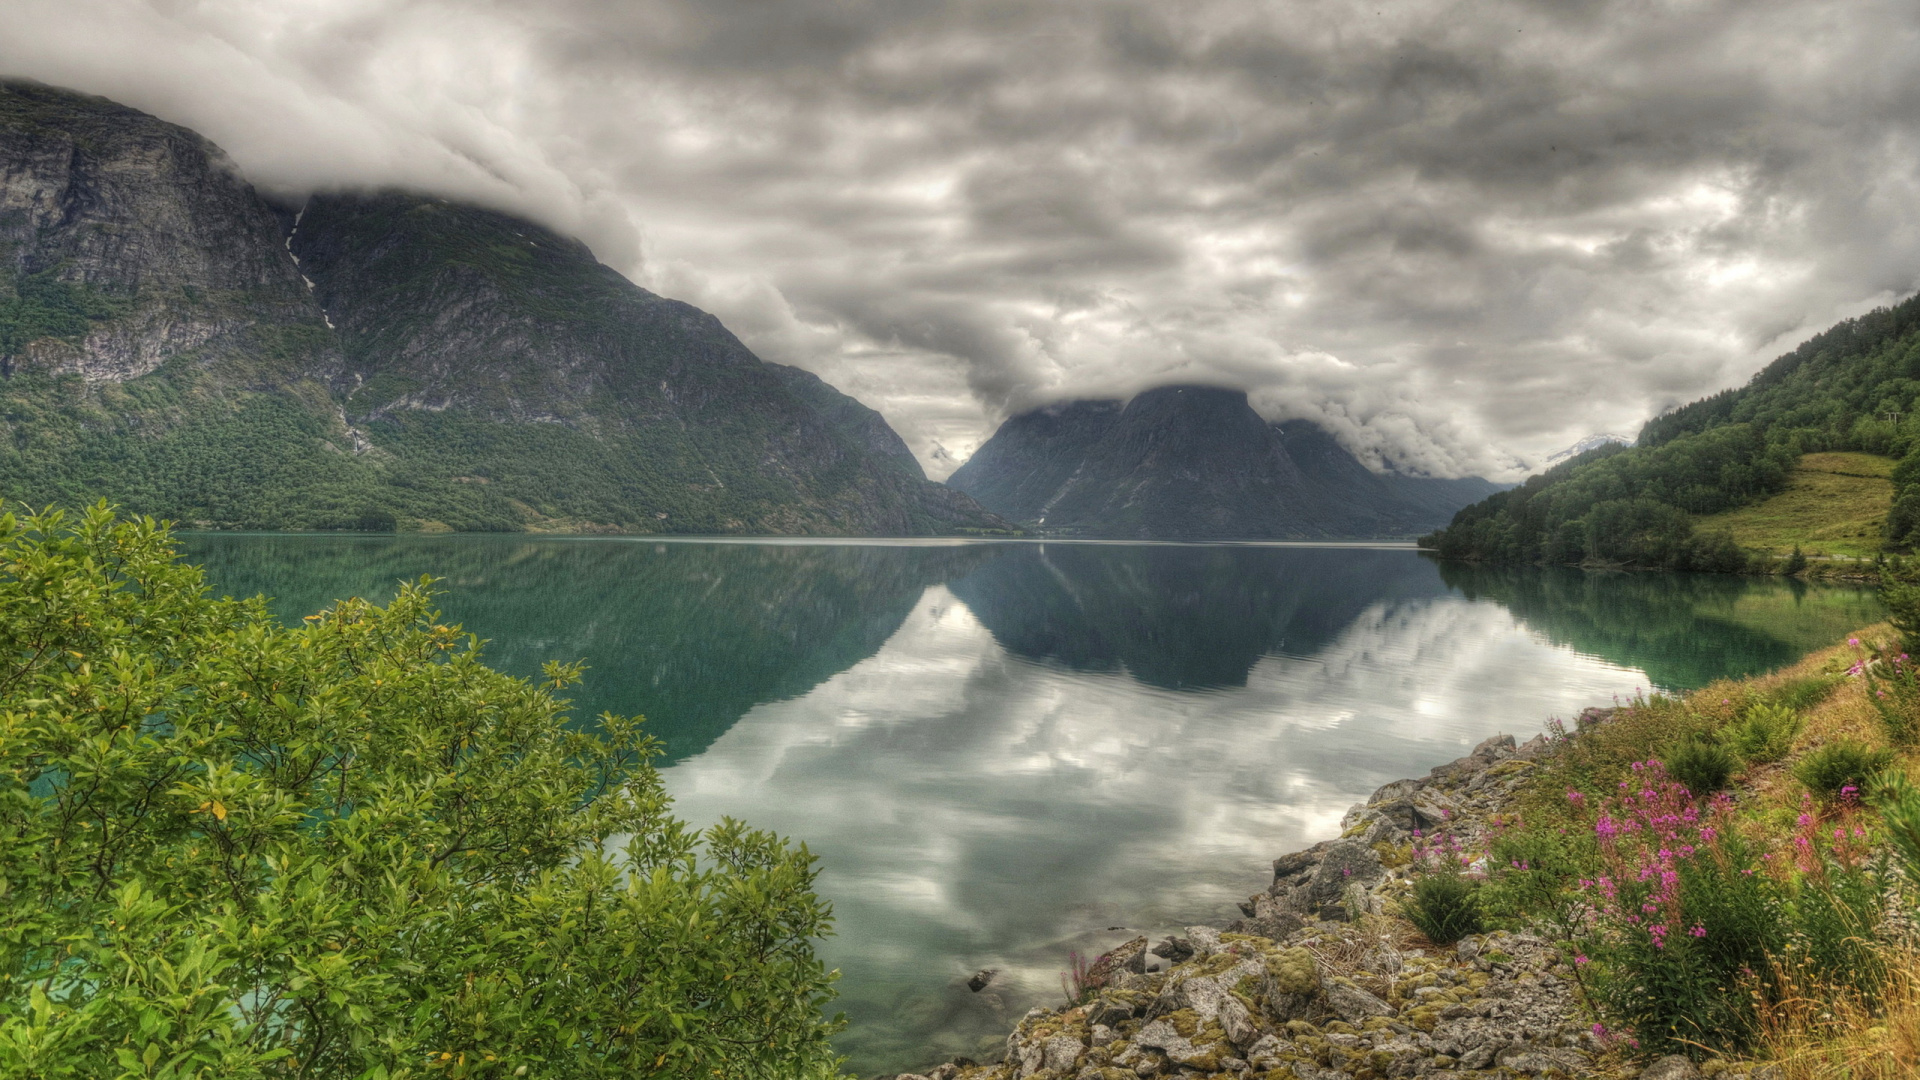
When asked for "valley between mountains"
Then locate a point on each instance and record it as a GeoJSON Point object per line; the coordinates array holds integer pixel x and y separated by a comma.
{"type": "Point", "coordinates": [175, 344]}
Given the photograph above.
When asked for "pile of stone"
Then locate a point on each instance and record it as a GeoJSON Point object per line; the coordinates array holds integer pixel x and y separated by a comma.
{"type": "Point", "coordinates": [1320, 982]}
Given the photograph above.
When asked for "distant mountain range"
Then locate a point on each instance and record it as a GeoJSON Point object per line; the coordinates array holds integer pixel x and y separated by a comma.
{"type": "Point", "coordinates": [172, 343]}
{"type": "Point", "coordinates": [1195, 463]}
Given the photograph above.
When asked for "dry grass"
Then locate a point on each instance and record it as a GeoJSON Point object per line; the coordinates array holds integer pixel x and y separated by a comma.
{"type": "Point", "coordinates": [1817, 1035]}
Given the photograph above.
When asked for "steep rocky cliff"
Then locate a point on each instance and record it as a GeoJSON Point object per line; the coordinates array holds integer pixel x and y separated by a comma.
{"type": "Point", "coordinates": [169, 342]}
{"type": "Point", "coordinates": [1194, 463]}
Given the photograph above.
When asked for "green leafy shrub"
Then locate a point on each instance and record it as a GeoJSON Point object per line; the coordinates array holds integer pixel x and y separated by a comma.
{"type": "Point", "coordinates": [1832, 770]}
{"type": "Point", "coordinates": [1702, 766]}
{"type": "Point", "coordinates": [1764, 733]}
{"type": "Point", "coordinates": [1898, 801]}
{"type": "Point", "coordinates": [1533, 872]}
{"type": "Point", "coordinates": [1695, 933]}
{"type": "Point", "coordinates": [1444, 907]}
{"type": "Point", "coordinates": [232, 849]}
{"type": "Point", "coordinates": [1893, 688]}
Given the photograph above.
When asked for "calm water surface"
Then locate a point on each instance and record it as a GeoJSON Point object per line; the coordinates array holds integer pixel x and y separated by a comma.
{"type": "Point", "coordinates": [1004, 752]}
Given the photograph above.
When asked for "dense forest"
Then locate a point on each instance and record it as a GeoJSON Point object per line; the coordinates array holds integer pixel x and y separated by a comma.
{"type": "Point", "coordinates": [1854, 387]}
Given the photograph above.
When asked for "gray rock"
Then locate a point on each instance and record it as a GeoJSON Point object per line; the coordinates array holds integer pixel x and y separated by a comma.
{"type": "Point", "coordinates": [981, 978]}
{"type": "Point", "coordinates": [1535, 1062]}
{"type": "Point", "coordinates": [1496, 748]}
{"type": "Point", "coordinates": [1671, 1067]}
{"type": "Point", "coordinates": [1353, 1004]}
{"type": "Point", "coordinates": [1399, 789]}
{"type": "Point", "coordinates": [1174, 950]}
{"type": "Point", "coordinates": [1346, 862]}
{"type": "Point", "coordinates": [1060, 1052]}
{"type": "Point", "coordinates": [1480, 1057]}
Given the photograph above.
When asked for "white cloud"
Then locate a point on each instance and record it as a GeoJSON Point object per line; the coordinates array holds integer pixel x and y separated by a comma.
{"type": "Point", "coordinates": [1463, 234]}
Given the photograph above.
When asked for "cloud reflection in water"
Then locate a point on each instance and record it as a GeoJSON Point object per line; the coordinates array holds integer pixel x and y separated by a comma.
{"type": "Point", "coordinates": [976, 809]}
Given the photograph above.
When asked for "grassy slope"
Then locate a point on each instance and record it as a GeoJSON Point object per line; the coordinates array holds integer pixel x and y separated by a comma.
{"type": "Point", "coordinates": [1840, 1039]}
{"type": "Point", "coordinates": [1835, 504]}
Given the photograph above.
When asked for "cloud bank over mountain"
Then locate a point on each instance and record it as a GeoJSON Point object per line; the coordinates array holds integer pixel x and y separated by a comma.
{"type": "Point", "coordinates": [1459, 235]}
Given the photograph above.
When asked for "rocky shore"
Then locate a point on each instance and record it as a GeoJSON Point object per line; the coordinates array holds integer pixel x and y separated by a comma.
{"type": "Point", "coordinates": [1322, 981]}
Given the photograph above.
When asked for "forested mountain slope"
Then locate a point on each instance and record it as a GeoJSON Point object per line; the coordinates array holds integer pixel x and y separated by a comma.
{"type": "Point", "coordinates": [1854, 387]}
{"type": "Point", "coordinates": [172, 344]}
{"type": "Point", "coordinates": [1193, 463]}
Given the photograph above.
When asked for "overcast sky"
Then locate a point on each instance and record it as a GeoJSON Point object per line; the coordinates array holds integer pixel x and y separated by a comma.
{"type": "Point", "coordinates": [1462, 234]}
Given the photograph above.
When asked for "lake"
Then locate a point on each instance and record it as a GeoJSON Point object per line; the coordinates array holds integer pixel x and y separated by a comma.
{"type": "Point", "coordinates": [1007, 752]}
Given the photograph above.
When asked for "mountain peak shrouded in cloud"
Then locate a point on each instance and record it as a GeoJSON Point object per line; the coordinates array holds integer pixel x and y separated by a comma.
{"type": "Point", "coordinates": [1460, 236]}
{"type": "Point", "coordinates": [1591, 442]}
{"type": "Point", "coordinates": [1195, 462]}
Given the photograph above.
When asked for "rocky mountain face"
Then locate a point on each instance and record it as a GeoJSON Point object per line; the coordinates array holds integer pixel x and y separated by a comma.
{"type": "Point", "coordinates": [1195, 463]}
{"type": "Point", "coordinates": [170, 342]}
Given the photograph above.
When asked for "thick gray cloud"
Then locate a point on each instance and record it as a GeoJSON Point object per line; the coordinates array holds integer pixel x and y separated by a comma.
{"type": "Point", "coordinates": [1463, 233]}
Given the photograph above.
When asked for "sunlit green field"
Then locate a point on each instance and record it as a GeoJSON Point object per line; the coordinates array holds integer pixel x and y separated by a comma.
{"type": "Point", "coordinates": [1835, 504]}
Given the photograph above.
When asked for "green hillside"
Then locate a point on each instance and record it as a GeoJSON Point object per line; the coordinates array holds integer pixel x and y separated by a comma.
{"type": "Point", "coordinates": [171, 343]}
{"type": "Point", "coordinates": [1673, 500]}
{"type": "Point", "coordinates": [1834, 504]}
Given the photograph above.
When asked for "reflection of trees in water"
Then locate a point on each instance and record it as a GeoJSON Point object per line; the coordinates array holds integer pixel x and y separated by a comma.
{"type": "Point", "coordinates": [689, 635]}
{"type": "Point", "coordinates": [1683, 630]}
{"type": "Point", "coordinates": [1183, 618]}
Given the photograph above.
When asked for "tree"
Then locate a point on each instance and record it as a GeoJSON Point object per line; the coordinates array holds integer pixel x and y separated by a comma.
{"type": "Point", "coordinates": [350, 849]}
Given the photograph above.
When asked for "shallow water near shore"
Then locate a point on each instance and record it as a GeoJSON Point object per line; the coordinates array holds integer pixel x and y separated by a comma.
{"type": "Point", "coordinates": [1007, 752]}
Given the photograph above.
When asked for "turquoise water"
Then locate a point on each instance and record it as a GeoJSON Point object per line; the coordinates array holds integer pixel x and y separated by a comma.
{"type": "Point", "coordinates": [1006, 752]}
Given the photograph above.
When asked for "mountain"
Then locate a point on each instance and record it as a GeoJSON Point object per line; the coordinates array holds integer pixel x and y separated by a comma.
{"type": "Point", "coordinates": [1591, 442]}
{"type": "Point", "coordinates": [172, 343]}
{"type": "Point", "coordinates": [1193, 463]}
{"type": "Point", "coordinates": [1853, 387]}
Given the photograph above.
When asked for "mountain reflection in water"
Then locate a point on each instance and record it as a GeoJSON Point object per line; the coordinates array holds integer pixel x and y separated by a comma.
{"type": "Point", "coordinates": [999, 751]}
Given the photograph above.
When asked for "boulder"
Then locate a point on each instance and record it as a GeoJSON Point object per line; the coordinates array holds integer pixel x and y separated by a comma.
{"type": "Point", "coordinates": [1127, 957]}
{"type": "Point", "coordinates": [1353, 1004]}
{"type": "Point", "coordinates": [1671, 1067]}
{"type": "Point", "coordinates": [1174, 950]}
{"type": "Point", "coordinates": [1346, 863]}
{"type": "Point", "coordinates": [1060, 1052]}
{"type": "Point", "coordinates": [981, 978]}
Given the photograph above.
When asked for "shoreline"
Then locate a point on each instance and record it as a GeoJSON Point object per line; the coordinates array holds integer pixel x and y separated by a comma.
{"type": "Point", "coordinates": [1317, 980]}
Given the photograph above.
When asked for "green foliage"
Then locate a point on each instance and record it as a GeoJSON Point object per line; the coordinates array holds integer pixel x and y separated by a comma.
{"type": "Point", "coordinates": [1702, 766]}
{"type": "Point", "coordinates": [1763, 733]}
{"type": "Point", "coordinates": [1444, 906]}
{"type": "Point", "coordinates": [1902, 599]}
{"type": "Point", "coordinates": [1893, 689]}
{"type": "Point", "coordinates": [1898, 801]}
{"type": "Point", "coordinates": [1534, 873]}
{"type": "Point", "coordinates": [351, 849]}
{"type": "Point", "coordinates": [1841, 390]}
{"type": "Point", "coordinates": [1796, 562]}
{"type": "Point", "coordinates": [41, 305]}
{"type": "Point", "coordinates": [1799, 695]}
{"type": "Point", "coordinates": [1829, 771]}
{"type": "Point", "coordinates": [1695, 930]}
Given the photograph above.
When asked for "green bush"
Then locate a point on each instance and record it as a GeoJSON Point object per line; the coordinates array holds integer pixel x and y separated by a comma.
{"type": "Point", "coordinates": [1701, 766]}
{"type": "Point", "coordinates": [232, 849]}
{"type": "Point", "coordinates": [1444, 907]}
{"type": "Point", "coordinates": [1893, 689]}
{"type": "Point", "coordinates": [1764, 733]}
{"type": "Point", "coordinates": [1837, 766]}
{"type": "Point", "coordinates": [1532, 880]}
{"type": "Point", "coordinates": [1898, 801]}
